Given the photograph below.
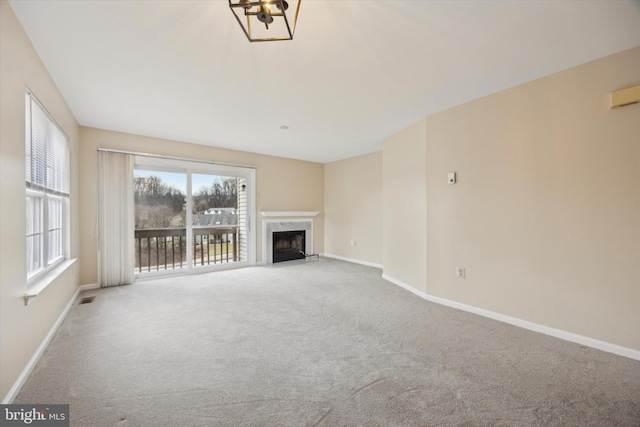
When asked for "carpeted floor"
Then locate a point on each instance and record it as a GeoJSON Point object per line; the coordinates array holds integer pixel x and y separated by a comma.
{"type": "Point", "coordinates": [317, 343]}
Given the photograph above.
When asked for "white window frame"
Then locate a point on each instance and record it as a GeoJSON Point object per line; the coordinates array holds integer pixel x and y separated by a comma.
{"type": "Point", "coordinates": [55, 259]}
{"type": "Point", "coordinates": [46, 194]}
{"type": "Point", "coordinates": [34, 232]}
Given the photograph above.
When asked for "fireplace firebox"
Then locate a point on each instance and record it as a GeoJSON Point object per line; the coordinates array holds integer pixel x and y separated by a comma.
{"type": "Point", "coordinates": [288, 245]}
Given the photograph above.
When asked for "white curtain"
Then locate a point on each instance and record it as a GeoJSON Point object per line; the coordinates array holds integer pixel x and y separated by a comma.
{"type": "Point", "coordinates": [116, 258]}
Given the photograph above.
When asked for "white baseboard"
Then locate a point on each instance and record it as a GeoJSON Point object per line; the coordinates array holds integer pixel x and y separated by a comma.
{"type": "Point", "coordinates": [557, 333]}
{"type": "Point", "coordinates": [88, 287]}
{"type": "Point", "coordinates": [356, 261]}
{"type": "Point", "coordinates": [13, 392]}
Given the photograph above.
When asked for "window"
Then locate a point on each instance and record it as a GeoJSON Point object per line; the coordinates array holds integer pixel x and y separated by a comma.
{"type": "Point", "coordinates": [47, 179]}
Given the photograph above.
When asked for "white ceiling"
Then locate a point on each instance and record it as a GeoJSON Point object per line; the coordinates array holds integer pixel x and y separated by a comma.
{"type": "Point", "coordinates": [356, 72]}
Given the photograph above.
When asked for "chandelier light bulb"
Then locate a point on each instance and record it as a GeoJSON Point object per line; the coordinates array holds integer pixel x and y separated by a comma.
{"type": "Point", "coordinates": [264, 15]}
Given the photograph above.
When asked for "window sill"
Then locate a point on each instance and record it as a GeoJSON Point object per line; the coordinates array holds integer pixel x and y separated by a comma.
{"type": "Point", "coordinates": [34, 289]}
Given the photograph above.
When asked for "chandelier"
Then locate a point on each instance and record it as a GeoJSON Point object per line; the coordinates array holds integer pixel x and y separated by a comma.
{"type": "Point", "coordinates": [266, 20]}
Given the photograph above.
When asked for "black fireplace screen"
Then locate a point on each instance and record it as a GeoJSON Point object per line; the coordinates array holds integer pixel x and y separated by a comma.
{"type": "Point", "coordinates": [288, 245]}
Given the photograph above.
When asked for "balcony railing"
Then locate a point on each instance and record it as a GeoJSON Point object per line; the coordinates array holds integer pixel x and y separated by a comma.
{"type": "Point", "coordinates": [166, 248]}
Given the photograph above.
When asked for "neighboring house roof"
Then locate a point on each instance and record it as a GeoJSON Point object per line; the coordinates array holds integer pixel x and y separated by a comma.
{"type": "Point", "coordinates": [226, 217]}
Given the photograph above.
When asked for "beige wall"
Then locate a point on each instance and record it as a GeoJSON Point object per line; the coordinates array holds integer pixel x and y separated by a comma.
{"type": "Point", "coordinates": [353, 208]}
{"type": "Point", "coordinates": [22, 328]}
{"type": "Point", "coordinates": [546, 213]}
{"type": "Point", "coordinates": [404, 198]}
{"type": "Point", "coordinates": [282, 184]}
{"type": "Point", "coordinates": [545, 217]}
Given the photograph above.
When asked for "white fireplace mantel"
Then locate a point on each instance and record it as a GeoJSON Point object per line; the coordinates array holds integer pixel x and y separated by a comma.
{"type": "Point", "coordinates": [288, 214]}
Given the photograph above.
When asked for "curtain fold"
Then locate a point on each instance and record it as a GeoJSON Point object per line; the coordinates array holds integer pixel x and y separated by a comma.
{"type": "Point", "coordinates": [116, 257]}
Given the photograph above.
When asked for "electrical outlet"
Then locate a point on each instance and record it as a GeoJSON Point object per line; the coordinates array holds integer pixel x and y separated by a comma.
{"type": "Point", "coordinates": [352, 243]}
{"type": "Point", "coordinates": [460, 273]}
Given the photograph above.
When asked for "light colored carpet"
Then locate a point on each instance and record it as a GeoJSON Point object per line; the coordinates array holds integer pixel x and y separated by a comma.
{"type": "Point", "coordinates": [316, 343]}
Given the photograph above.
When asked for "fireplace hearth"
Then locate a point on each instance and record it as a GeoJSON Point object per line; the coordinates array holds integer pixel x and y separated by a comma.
{"type": "Point", "coordinates": [288, 245]}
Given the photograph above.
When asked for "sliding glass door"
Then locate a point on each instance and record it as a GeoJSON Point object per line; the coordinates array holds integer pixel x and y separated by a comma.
{"type": "Point", "coordinates": [192, 216]}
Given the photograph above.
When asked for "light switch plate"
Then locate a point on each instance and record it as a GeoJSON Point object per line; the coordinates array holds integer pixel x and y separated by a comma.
{"type": "Point", "coordinates": [451, 178]}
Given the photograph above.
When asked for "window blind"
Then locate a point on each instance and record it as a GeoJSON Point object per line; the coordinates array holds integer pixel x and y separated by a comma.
{"type": "Point", "coordinates": [46, 150]}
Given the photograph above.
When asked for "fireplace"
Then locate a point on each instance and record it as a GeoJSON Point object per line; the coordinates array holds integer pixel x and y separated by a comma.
{"type": "Point", "coordinates": [288, 245]}
{"type": "Point", "coordinates": [271, 226]}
